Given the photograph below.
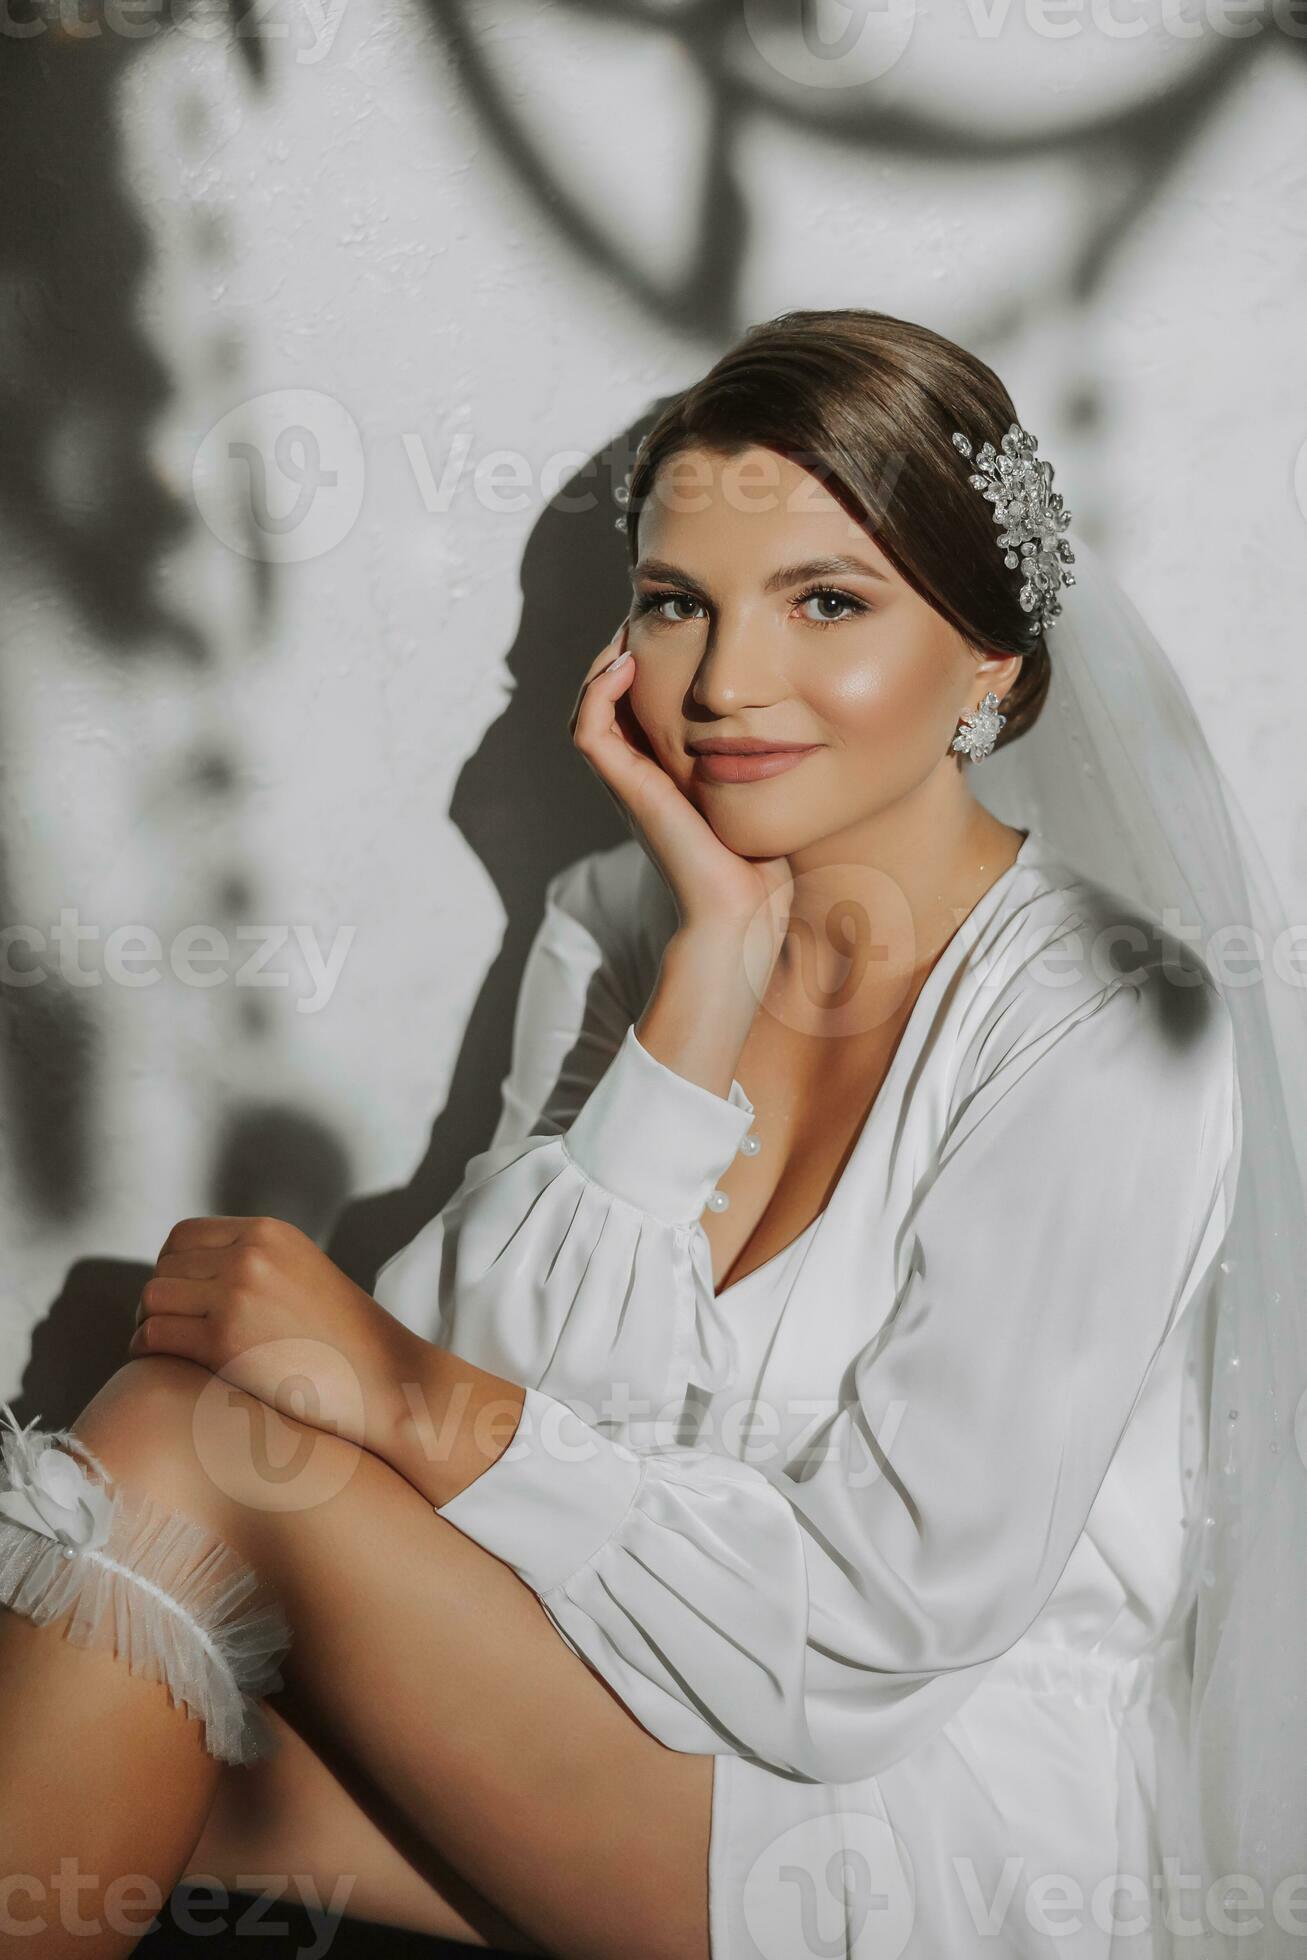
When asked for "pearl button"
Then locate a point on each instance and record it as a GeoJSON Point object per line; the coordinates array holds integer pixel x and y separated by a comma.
{"type": "Point", "coordinates": [718, 1201]}
{"type": "Point", "coordinates": [751, 1146]}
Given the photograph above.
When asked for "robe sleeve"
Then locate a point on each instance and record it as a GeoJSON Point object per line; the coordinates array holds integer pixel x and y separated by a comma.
{"type": "Point", "coordinates": [824, 1616]}
{"type": "Point", "coordinates": [569, 1259]}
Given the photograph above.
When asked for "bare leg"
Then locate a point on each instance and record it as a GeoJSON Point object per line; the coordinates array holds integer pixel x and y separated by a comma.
{"type": "Point", "coordinates": [423, 1672]}
{"type": "Point", "coordinates": [290, 1820]}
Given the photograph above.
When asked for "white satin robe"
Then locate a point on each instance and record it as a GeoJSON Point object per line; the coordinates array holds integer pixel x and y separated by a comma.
{"type": "Point", "coordinates": [891, 1526]}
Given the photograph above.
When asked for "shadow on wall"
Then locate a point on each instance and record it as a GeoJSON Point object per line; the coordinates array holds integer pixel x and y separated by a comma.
{"type": "Point", "coordinates": [1120, 147]}
{"type": "Point", "coordinates": [527, 804]}
{"type": "Point", "coordinates": [83, 513]}
{"type": "Point", "coordinates": [522, 802]}
{"type": "Point", "coordinates": [269, 1160]}
{"type": "Point", "coordinates": [80, 388]}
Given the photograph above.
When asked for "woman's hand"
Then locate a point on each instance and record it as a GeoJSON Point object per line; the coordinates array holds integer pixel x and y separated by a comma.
{"type": "Point", "coordinates": [256, 1301]}
{"type": "Point", "coordinates": [710, 883]}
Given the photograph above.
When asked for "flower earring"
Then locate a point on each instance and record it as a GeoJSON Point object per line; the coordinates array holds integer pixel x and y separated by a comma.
{"type": "Point", "coordinates": [978, 732]}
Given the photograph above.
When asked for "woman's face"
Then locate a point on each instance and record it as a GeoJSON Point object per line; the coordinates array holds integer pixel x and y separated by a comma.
{"type": "Point", "coordinates": [740, 627]}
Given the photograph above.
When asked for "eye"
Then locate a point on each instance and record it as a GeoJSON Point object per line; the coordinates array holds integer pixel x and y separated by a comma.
{"type": "Point", "coordinates": [845, 599]}
{"type": "Point", "coordinates": [650, 604]}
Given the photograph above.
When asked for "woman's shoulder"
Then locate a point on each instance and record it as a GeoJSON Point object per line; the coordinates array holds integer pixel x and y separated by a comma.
{"type": "Point", "coordinates": [1066, 949]}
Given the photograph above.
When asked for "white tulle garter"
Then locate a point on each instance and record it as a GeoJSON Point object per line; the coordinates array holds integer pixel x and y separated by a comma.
{"type": "Point", "coordinates": [159, 1590]}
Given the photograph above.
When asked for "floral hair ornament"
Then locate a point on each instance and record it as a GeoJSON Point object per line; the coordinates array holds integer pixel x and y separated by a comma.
{"type": "Point", "coordinates": [1019, 484]}
{"type": "Point", "coordinates": [158, 1590]}
{"type": "Point", "coordinates": [622, 496]}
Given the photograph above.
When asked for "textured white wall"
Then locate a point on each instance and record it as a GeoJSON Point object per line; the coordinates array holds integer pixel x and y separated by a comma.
{"type": "Point", "coordinates": [1116, 222]}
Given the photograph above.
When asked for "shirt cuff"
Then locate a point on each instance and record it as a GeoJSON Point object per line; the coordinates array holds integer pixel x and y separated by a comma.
{"type": "Point", "coordinates": [553, 1498]}
{"type": "Point", "coordinates": [655, 1138]}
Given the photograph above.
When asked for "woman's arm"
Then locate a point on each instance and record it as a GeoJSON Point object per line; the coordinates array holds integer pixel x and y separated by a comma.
{"type": "Point", "coordinates": [571, 1257]}
{"type": "Point", "coordinates": [450, 1419]}
{"type": "Point", "coordinates": [824, 1618]}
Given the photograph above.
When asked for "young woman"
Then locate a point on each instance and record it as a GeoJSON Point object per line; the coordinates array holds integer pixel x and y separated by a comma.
{"type": "Point", "coordinates": [772, 1510]}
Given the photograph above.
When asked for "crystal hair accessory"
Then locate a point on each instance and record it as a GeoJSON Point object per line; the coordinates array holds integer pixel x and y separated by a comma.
{"type": "Point", "coordinates": [158, 1590]}
{"type": "Point", "coordinates": [622, 496]}
{"type": "Point", "coordinates": [1019, 484]}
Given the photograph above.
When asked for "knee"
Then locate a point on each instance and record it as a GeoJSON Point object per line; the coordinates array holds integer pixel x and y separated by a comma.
{"type": "Point", "coordinates": [180, 1604]}
{"type": "Point", "coordinates": [200, 1444]}
{"type": "Point", "coordinates": [137, 1414]}
{"type": "Point", "coordinates": [154, 1380]}
{"type": "Point", "coordinates": [144, 1426]}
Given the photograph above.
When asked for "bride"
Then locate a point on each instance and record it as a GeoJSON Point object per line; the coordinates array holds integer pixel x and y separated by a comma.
{"type": "Point", "coordinates": [826, 1482]}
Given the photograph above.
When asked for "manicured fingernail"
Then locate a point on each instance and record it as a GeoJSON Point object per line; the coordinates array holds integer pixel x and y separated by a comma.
{"type": "Point", "coordinates": [625, 654]}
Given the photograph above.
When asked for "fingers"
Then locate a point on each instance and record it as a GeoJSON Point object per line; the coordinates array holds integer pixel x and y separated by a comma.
{"type": "Point", "coordinates": [599, 665]}
{"type": "Point", "coordinates": [189, 1233]}
{"type": "Point", "coordinates": [176, 1296]}
{"type": "Point", "coordinates": [202, 1263]}
{"type": "Point", "coordinates": [192, 1281]}
{"type": "Point", "coordinates": [169, 1333]}
{"type": "Point", "coordinates": [188, 1267]}
{"type": "Point", "coordinates": [615, 647]}
{"type": "Point", "coordinates": [601, 731]}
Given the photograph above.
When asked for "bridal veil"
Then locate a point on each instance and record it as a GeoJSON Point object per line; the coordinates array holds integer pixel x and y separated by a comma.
{"type": "Point", "coordinates": [1119, 777]}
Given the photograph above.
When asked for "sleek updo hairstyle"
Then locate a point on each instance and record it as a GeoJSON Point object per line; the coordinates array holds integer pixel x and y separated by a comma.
{"type": "Point", "coordinates": [868, 404]}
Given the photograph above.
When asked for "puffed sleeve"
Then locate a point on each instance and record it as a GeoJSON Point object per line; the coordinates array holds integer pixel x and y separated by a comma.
{"type": "Point", "coordinates": [823, 1617]}
{"type": "Point", "coordinates": [570, 1257]}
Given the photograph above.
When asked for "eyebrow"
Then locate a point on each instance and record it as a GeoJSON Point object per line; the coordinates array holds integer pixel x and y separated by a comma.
{"type": "Point", "coordinates": [840, 564]}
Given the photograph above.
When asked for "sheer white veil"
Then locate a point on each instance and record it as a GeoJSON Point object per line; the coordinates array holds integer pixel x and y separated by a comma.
{"type": "Point", "coordinates": [1117, 775]}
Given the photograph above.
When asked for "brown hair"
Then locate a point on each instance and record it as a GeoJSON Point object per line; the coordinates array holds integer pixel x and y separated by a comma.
{"type": "Point", "coordinates": [868, 404]}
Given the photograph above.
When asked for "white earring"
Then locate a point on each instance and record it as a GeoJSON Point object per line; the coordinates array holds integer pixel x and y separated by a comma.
{"type": "Point", "coordinates": [979, 731]}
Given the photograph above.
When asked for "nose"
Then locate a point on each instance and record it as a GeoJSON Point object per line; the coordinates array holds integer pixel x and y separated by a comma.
{"type": "Point", "coordinates": [738, 669]}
